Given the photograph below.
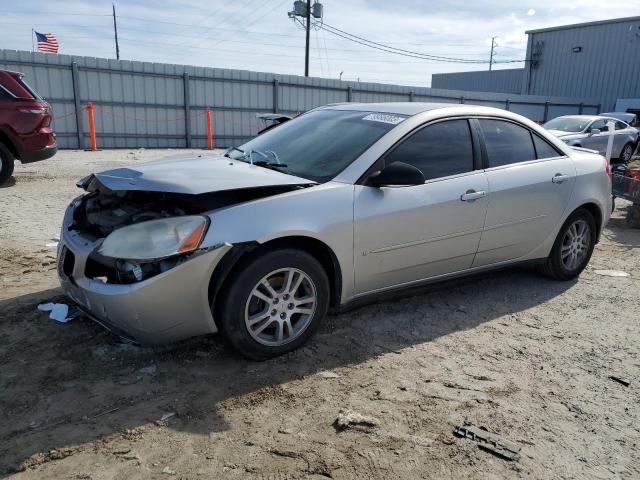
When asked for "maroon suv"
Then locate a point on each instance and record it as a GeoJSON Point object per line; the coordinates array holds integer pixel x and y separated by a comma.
{"type": "Point", "coordinates": [25, 124]}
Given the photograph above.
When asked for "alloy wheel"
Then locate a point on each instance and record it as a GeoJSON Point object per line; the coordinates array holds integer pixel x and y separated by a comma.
{"type": "Point", "coordinates": [575, 245]}
{"type": "Point", "coordinates": [280, 307]}
{"type": "Point", "coordinates": [627, 152]}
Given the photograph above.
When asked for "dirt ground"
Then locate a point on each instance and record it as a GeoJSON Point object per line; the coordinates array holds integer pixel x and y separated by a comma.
{"type": "Point", "coordinates": [527, 358]}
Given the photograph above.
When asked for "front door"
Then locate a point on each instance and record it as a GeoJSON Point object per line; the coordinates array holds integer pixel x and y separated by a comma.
{"type": "Point", "coordinates": [406, 234]}
{"type": "Point", "coordinates": [597, 141]}
{"type": "Point", "coordinates": [530, 184]}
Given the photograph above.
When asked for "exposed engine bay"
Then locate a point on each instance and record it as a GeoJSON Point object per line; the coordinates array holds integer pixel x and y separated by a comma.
{"type": "Point", "coordinates": [101, 211]}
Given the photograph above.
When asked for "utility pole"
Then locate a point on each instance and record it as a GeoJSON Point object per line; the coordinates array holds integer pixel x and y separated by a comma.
{"type": "Point", "coordinates": [301, 14]}
{"type": "Point", "coordinates": [115, 31]}
{"type": "Point", "coordinates": [306, 49]}
{"type": "Point", "coordinates": [493, 45]}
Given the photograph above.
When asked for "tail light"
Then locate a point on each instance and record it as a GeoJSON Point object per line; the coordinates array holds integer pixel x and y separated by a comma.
{"type": "Point", "coordinates": [44, 112]}
{"type": "Point", "coordinates": [607, 166]}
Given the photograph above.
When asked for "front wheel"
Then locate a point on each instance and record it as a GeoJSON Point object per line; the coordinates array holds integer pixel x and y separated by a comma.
{"type": "Point", "coordinates": [6, 164]}
{"type": "Point", "coordinates": [274, 303]}
{"type": "Point", "coordinates": [573, 247]}
{"type": "Point", "coordinates": [626, 153]}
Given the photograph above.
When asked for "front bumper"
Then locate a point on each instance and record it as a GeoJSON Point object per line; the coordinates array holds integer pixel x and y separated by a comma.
{"type": "Point", "coordinates": [165, 308]}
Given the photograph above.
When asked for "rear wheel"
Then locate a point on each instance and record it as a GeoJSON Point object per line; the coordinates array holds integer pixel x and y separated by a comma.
{"type": "Point", "coordinates": [573, 247]}
{"type": "Point", "coordinates": [626, 153]}
{"type": "Point", "coordinates": [274, 303]}
{"type": "Point", "coordinates": [6, 164]}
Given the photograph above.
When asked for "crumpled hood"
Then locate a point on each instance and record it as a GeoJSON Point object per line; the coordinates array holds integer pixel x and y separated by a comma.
{"type": "Point", "coordinates": [193, 175]}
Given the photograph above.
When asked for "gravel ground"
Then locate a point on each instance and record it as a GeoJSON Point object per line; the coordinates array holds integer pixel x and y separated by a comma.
{"type": "Point", "coordinates": [527, 358]}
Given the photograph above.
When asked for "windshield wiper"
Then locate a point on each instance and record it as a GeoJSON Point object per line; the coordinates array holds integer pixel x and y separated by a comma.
{"type": "Point", "coordinates": [264, 163]}
{"type": "Point", "coordinates": [231, 149]}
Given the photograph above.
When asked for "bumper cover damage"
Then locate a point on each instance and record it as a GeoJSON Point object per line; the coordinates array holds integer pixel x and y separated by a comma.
{"type": "Point", "coordinates": [167, 307]}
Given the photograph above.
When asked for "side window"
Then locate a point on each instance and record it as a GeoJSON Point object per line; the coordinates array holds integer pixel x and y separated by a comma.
{"type": "Point", "coordinates": [506, 142]}
{"type": "Point", "coordinates": [620, 126]}
{"type": "Point", "coordinates": [4, 95]}
{"type": "Point", "coordinates": [544, 149]}
{"type": "Point", "coordinates": [439, 150]}
{"type": "Point", "coordinates": [600, 125]}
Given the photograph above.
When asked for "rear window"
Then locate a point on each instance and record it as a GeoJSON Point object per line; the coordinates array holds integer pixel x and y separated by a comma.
{"type": "Point", "coordinates": [506, 142]}
{"type": "Point", "coordinates": [543, 149]}
{"type": "Point", "coordinates": [4, 95]}
{"type": "Point", "coordinates": [30, 90]}
{"type": "Point", "coordinates": [16, 87]}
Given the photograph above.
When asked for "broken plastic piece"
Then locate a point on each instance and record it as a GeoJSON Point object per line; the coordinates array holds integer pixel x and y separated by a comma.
{"type": "Point", "coordinates": [490, 442]}
{"type": "Point", "coordinates": [58, 311]}
{"type": "Point", "coordinates": [611, 273]}
{"type": "Point", "coordinates": [619, 380]}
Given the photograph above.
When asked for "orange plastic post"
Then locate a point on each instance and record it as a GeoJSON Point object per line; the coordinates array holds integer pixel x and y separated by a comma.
{"type": "Point", "coordinates": [209, 130]}
{"type": "Point", "coordinates": [92, 127]}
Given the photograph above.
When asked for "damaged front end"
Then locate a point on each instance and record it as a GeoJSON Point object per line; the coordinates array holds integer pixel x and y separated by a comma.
{"type": "Point", "coordinates": [107, 217]}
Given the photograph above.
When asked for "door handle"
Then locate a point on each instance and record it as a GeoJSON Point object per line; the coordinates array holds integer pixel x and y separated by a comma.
{"type": "Point", "coordinates": [559, 178]}
{"type": "Point", "coordinates": [472, 195]}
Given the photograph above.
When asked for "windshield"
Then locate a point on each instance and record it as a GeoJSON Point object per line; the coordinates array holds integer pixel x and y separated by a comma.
{"type": "Point", "coordinates": [319, 144]}
{"type": "Point", "coordinates": [567, 124]}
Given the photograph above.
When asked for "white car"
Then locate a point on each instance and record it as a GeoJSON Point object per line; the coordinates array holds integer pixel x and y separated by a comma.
{"type": "Point", "coordinates": [330, 208]}
{"type": "Point", "coordinates": [592, 131]}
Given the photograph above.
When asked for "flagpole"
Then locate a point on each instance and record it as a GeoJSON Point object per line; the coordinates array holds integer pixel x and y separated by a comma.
{"type": "Point", "coordinates": [33, 46]}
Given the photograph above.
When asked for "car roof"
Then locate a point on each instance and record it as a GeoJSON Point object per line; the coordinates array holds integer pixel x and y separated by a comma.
{"type": "Point", "coordinates": [399, 108]}
{"type": "Point", "coordinates": [589, 117]}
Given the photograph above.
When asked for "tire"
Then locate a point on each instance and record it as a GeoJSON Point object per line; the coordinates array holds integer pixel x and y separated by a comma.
{"type": "Point", "coordinates": [633, 216]}
{"type": "Point", "coordinates": [576, 253]}
{"type": "Point", "coordinates": [251, 317]}
{"type": "Point", "coordinates": [626, 153]}
{"type": "Point", "coordinates": [6, 164]}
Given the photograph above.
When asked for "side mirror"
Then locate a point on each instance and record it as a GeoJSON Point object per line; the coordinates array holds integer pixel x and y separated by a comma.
{"type": "Point", "coordinates": [398, 174]}
{"type": "Point", "coordinates": [594, 131]}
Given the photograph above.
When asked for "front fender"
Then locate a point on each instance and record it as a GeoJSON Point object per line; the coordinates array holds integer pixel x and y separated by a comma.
{"type": "Point", "coordinates": [322, 212]}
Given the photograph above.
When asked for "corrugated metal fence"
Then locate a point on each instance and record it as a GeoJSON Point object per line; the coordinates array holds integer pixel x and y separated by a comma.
{"type": "Point", "coordinates": [503, 81]}
{"type": "Point", "coordinates": [154, 105]}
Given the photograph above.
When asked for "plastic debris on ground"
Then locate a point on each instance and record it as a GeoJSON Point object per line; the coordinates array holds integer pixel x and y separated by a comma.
{"type": "Point", "coordinates": [489, 442]}
{"type": "Point", "coordinates": [611, 273]}
{"type": "Point", "coordinates": [58, 311]}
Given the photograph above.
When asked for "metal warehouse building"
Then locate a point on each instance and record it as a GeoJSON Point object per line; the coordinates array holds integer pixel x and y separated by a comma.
{"type": "Point", "coordinates": [598, 60]}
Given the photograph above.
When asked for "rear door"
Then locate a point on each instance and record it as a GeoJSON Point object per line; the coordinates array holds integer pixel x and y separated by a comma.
{"type": "Point", "coordinates": [530, 183]}
{"type": "Point", "coordinates": [406, 234]}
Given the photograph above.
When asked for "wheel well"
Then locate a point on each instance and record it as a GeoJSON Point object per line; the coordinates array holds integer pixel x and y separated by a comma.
{"type": "Point", "coordinates": [6, 141]}
{"type": "Point", "coordinates": [239, 256]}
{"type": "Point", "coordinates": [594, 210]}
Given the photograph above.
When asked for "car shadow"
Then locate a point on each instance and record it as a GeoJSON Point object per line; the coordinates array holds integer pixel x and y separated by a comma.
{"type": "Point", "coordinates": [9, 183]}
{"type": "Point", "coordinates": [69, 384]}
{"type": "Point", "coordinates": [619, 232]}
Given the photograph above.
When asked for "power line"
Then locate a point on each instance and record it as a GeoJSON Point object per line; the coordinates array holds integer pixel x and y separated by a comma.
{"type": "Point", "coordinates": [333, 30]}
{"type": "Point", "coordinates": [403, 52]}
{"type": "Point", "coordinates": [58, 13]}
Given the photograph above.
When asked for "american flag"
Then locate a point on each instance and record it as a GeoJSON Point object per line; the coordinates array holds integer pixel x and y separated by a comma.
{"type": "Point", "coordinates": [47, 42]}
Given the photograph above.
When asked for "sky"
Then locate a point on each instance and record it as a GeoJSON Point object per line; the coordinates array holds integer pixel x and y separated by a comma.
{"type": "Point", "coordinates": [258, 35]}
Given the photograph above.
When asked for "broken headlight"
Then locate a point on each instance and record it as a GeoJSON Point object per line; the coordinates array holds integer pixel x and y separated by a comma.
{"type": "Point", "coordinates": [155, 239]}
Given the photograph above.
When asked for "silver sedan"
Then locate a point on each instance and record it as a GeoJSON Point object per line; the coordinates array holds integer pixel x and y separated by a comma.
{"type": "Point", "coordinates": [331, 208]}
{"type": "Point", "coordinates": [592, 131]}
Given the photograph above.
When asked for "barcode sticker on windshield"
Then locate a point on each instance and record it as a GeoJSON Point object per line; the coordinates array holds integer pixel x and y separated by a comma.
{"type": "Point", "coordinates": [384, 118]}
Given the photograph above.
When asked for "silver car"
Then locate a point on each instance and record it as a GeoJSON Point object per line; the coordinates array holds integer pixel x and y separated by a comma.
{"type": "Point", "coordinates": [333, 207]}
{"type": "Point", "coordinates": [592, 131]}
